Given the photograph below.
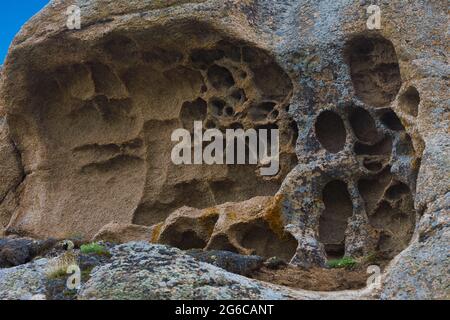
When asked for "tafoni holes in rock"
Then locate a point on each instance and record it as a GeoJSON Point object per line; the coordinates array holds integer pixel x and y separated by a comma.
{"type": "Point", "coordinates": [104, 135]}
{"type": "Point", "coordinates": [106, 128]}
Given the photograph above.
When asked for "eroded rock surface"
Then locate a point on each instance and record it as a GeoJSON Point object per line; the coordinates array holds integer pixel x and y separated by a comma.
{"type": "Point", "coordinates": [121, 233]}
{"type": "Point", "coordinates": [422, 270]}
{"type": "Point", "coordinates": [144, 271]}
{"type": "Point", "coordinates": [100, 128]}
{"type": "Point", "coordinates": [231, 262]}
{"type": "Point", "coordinates": [17, 251]}
{"type": "Point", "coordinates": [252, 227]}
{"type": "Point", "coordinates": [23, 282]}
{"type": "Point", "coordinates": [11, 175]}
{"type": "Point", "coordinates": [363, 118]}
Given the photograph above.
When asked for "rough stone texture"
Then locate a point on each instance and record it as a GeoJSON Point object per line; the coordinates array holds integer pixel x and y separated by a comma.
{"type": "Point", "coordinates": [10, 174]}
{"type": "Point", "coordinates": [92, 125]}
{"type": "Point", "coordinates": [139, 270]}
{"type": "Point", "coordinates": [231, 262]}
{"type": "Point", "coordinates": [250, 227]}
{"type": "Point", "coordinates": [121, 233]}
{"type": "Point", "coordinates": [422, 271]}
{"type": "Point", "coordinates": [99, 130]}
{"type": "Point", "coordinates": [2, 109]}
{"type": "Point", "coordinates": [143, 271]}
{"type": "Point", "coordinates": [17, 251]}
{"type": "Point", "coordinates": [23, 282]}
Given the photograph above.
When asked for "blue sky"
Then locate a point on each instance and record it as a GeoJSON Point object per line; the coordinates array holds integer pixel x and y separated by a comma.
{"type": "Point", "coordinates": [13, 14]}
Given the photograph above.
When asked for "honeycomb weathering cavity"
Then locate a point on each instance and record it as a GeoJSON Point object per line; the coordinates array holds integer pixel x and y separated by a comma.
{"type": "Point", "coordinates": [333, 220]}
{"type": "Point", "coordinates": [250, 227]}
{"type": "Point", "coordinates": [87, 111]}
{"type": "Point", "coordinates": [388, 202]}
{"type": "Point", "coordinates": [94, 133]}
{"type": "Point", "coordinates": [363, 125]}
{"type": "Point", "coordinates": [389, 206]}
{"type": "Point", "coordinates": [409, 101]}
{"type": "Point", "coordinates": [374, 70]}
{"type": "Point", "coordinates": [356, 198]}
{"type": "Point", "coordinates": [228, 93]}
{"type": "Point", "coordinates": [104, 131]}
{"type": "Point", "coordinates": [391, 121]}
{"type": "Point", "coordinates": [330, 131]}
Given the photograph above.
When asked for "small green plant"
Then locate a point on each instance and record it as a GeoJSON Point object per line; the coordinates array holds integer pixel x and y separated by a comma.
{"type": "Point", "coordinates": [94, 248]}
{"type": "Point", "coordinates": [345, 262]}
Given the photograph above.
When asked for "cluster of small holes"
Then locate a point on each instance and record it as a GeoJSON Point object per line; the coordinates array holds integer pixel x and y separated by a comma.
{"type": "Point", "coordinates": [233, 100]}
{"type": "Point", "coordinates": [377, 135]}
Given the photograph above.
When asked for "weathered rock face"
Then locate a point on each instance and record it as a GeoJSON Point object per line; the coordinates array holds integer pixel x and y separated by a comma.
{"type": "Point", "coordinates": [254, 226]}
{"type": "Point", "coordinates": [23, 282]}
{"type": "Point", "coordinates": [366, 110]}
{"type": "Point", "coordinates": [17, 251]}
{"type": "Point", "coordinates": [100, 134]}
{"type": "Point", "coordinates": [121, 233]}
{"type": "Point", "coordinates": [161, 272]}
{"type": "Point", "coordinates": [142, 271]}
{"type": "Point", "coordinates": [231, 262]}
{"type": "Point", "coordinates": [11, 175]}
{"type": "Point", "coordinates": [422, 270]}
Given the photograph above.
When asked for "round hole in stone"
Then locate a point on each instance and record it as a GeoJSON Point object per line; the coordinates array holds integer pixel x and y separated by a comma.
{"type": "Point", "coordinates": [394, 226]}
{"type": "Point", "coordinates": [372, 165]}
{"type": "Point", "coordinates": [189, 240]}
{"type": "Point", "coordinates": [216, 106]}
{"type": "Point", "coordinates": [221, 242]}
{"type": "Point", "coordinates": [260, 112]}
{"type": "Point", "coordinates": [363, 125]}
{"type": "Point", "coordinates": [193, 111]}
{"type": "Point", "coordinates": [220, 77]}
{"type": "Point", "coordinates": [390, 120]}
{"type": "Point", "coordinates": [229, 111]}
{"type": "Point", "coordinates": [374, 69]}
{"type": "Point", "coordinates": [274, 114]}
{"type": "Point", "coordinates": [263, 241]}
{"type": "Point", "coordinates": [397, 191]}
{"type": "Point", "coordinates": [238, 95]}
{"type": "Point", "coordinates": [333, 220]}
{"type": "Point", "coordinates": [330, 131]}
{"type": "Point", "coordinates": [409, 101]}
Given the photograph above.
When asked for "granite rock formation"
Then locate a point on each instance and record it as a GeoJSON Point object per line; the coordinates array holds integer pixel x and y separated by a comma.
{"type": "Point", "coordinates": [86, 117]}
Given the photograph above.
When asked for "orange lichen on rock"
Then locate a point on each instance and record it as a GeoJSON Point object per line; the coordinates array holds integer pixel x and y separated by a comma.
{"type": "Point", "coordinates": [156, 232]}
{"type": "Point", "coordinates": [254, 226]}
{"type": "Point", "coordinates": [274, 216]}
